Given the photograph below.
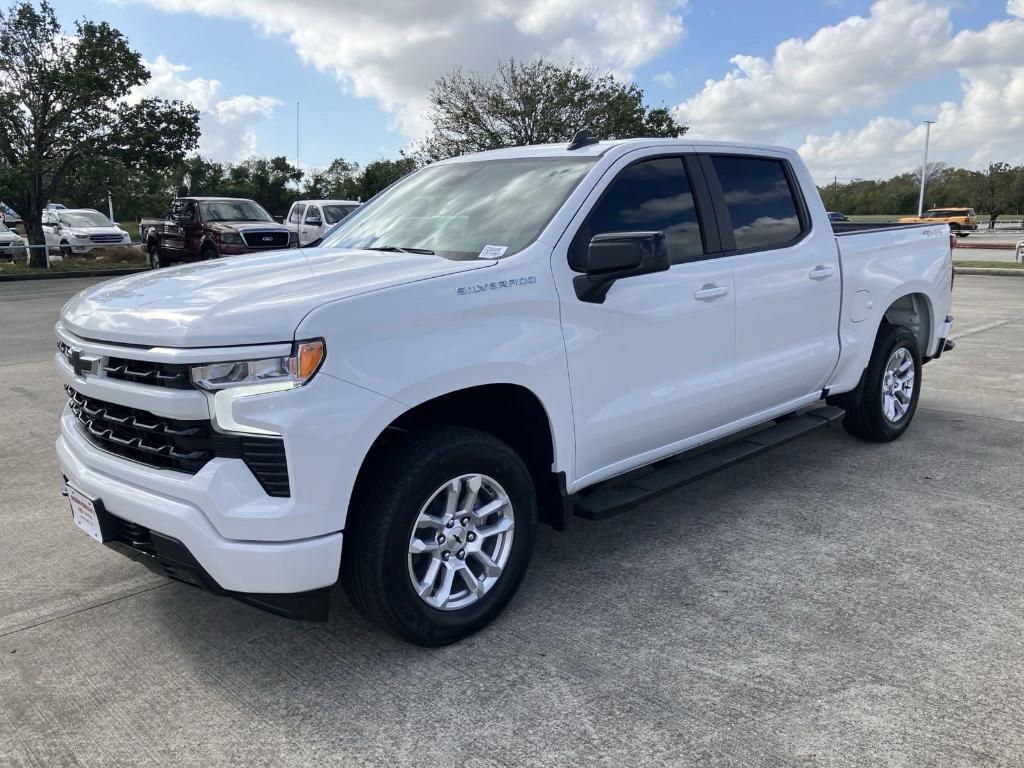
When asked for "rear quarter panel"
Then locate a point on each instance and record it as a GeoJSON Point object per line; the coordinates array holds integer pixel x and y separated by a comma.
{"type": "Point", "coordinates": [879, 268]}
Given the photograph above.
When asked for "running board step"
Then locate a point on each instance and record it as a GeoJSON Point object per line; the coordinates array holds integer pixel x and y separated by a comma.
{"type": "Point", "coordinates": [612, 497]}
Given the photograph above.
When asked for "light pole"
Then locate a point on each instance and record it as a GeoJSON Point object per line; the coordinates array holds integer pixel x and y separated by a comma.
{"type": "Point", "coordinates": [924, 166]}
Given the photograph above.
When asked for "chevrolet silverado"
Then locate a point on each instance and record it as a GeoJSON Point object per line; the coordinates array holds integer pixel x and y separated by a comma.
{"type": "Point", "coordinates": [521, 336]}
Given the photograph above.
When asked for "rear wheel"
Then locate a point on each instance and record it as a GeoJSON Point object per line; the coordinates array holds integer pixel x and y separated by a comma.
{"type": "Point", "coordinates": [892, 384]}
{"type": "Point", "coordinates": [156, 261]}
{"type": "Point", "coordinates": [440, 538]}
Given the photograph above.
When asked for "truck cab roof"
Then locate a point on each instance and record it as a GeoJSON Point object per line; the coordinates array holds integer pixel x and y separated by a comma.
{"type": "Point", "coordinates": [607, 147]}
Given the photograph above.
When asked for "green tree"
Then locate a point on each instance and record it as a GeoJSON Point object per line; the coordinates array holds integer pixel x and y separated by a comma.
{"type": "Point", "coordinates": [381, 174]}
{"type": "Point", "coordinates": [536, 102]}
{"type": "Point", "coordinates": [337, 181]}
{"type": "Point", "coordinates": [62, 103]}
{"type": "Point", "coordinates": [997, 190]}
{"type": "Point", "coordinates": [265, 180]}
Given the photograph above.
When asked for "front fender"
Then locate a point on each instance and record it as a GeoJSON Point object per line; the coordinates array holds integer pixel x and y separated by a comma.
{"type": "Point", "coordinates": [421, 340]}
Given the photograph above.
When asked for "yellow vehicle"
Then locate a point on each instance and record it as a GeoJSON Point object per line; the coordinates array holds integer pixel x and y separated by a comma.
{"type": "Point", "coordinates": [960, 220]}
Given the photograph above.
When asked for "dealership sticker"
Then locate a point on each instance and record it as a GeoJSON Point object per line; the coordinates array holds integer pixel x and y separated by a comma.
{"type": "Point", "coordinates": [493, 251]}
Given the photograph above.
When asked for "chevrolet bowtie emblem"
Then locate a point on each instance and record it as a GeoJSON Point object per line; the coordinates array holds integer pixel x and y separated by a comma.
{"type": "Point", "coordinates": [83, 365]}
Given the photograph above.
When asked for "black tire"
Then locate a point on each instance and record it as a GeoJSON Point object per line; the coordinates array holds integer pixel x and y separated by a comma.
{"type": "Point", "coordinates": [65, 251]}
{"type": "Point", "coordinates": [397, 484]}
{"type": "Point", "coordinates": [208, 253]}
{"type": "Point", "coordinates": [868, 420]}
{"type": "Point", "coordinates": [156, 260]}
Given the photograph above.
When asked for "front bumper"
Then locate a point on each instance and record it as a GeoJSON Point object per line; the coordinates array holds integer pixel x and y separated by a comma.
{"type": "Point", "coordinates": [166, 556]}
{"type": "Point", "coordinates": [236, 566]}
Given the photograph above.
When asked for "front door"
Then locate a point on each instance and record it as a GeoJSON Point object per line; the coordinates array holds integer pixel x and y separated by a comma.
{"type": "Point", "coordinates": [648, 365]}
{"type": "Point", "coordinates": [788, 283]}
{"type": "Point", "coordinates": [312, 225]}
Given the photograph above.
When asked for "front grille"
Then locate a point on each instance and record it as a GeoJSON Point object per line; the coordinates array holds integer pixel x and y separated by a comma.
{"type": "Point", "coordinates": [145, 372]}
{"type": "Point", "coordinates": [171, 375]}
{"type": "Point", "coordinates": [105, 238]}
{"type": "Point", "coordinates": [185, 446]}
{"type": "Point", "coordinates": [265, 238]}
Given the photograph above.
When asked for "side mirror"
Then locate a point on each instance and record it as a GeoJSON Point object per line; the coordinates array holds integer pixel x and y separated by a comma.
{"type": "Point", "coordinates": [615, 255]}
{"type": "Point", "coordinates": [312, 222]}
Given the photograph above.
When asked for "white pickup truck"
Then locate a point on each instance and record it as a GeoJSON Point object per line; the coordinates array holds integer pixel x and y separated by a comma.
{"type": "Point", "coordinates": [519, 336]}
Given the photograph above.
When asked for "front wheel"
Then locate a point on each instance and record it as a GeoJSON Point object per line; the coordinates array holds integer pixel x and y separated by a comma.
{"type": "Point", "coordinates": [892, 385]}
{"type": "Point", "coordinates": [440, 535]}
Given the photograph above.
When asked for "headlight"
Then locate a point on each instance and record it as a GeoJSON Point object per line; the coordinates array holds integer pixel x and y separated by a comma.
{"type": "Point", "coordinates": [79, 233]}
{"type": "Point", "coordinates": [231, 238]}
{"type": "Point", "coordinates": [267, 374]}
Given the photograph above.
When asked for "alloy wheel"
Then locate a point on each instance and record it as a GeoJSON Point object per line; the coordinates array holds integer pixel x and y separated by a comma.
{"type": "Point", "coordinates": [898, 385]}
{"type": "Point", "coordinates": [461, 542]}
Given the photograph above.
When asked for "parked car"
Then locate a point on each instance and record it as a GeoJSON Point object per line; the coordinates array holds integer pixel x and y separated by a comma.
{"type": "Point", "coordinates": [12, 245]}
{"type": "Point", "coordinates": [506, 338]}
{"type": "Point", "coordinates": [327, 233]}
{"type": "Point", "coordinates": [961, 221]}
{"type": "Point", "coordinates": [8, 215]}
{"type": "Point", "coordinates": [311, 218]}
{"type": "Point", "coordinates": [76, 231]}
{"type": "Point", "coordinates": [836, 216]}
{"type": "Point", "coordinates": [202, 228]}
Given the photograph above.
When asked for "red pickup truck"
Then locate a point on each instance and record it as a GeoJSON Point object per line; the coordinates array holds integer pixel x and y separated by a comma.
{"type": "Point", "coordinates": [200, 228]}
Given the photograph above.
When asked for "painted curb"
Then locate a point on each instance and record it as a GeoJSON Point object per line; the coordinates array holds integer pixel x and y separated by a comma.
{"type": "Point", "coordinates": [990, 271]}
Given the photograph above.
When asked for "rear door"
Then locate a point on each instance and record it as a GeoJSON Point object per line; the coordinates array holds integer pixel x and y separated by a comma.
{"type": "Point", "coordinates": [788, 284]}
{"type": "Point", "coordinates": [647, 367]}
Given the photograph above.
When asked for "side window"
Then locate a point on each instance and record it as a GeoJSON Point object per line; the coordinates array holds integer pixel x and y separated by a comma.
{"type": "Point", "coordinates": [189, 212]}
{"type": "Point", "coordinates": [313, 217]}
{"type": "Point", "coordinates": [762, 207]}
{"type": "Point", "coordinates": [296, 213]}
{"type": "Point", "coordinates": [175, 210]}
{"type": "Point", "coordinates": [652, 195]}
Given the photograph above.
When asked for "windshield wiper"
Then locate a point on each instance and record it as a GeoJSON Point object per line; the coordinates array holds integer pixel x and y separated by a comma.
{"type": "Point", "coordinates": [396, 249]}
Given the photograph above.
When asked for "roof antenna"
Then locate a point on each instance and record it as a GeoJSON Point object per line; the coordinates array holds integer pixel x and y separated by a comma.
{"type": "Point", "coordinates": [581, 139]}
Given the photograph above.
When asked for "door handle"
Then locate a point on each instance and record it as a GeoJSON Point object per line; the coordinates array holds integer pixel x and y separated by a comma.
{"type": "Point", "coordinates": [821, 272]}
{"type": "Point", "coordinates": [710, 291]}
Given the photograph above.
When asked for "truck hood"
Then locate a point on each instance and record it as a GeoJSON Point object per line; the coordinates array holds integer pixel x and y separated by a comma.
{"type": "Point", "coordinates": [252, 299]}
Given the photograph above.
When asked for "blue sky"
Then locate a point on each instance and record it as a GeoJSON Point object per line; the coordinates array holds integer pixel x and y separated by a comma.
{"type": "Point", "coordinates": [852, 101]}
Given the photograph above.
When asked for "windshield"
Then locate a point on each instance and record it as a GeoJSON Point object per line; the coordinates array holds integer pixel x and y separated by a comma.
{"type": "Point", "coordinates": [84, 219]}
{"type": "Point", "coordinates": [335, 213]}
{"type": "Point", "coordinates": [233, 210]}
{"type": "Point", "coordinates": [456, 210]}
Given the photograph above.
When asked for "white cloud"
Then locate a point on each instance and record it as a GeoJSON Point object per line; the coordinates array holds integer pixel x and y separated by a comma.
{"type": "Point", "coordinates": [391, 50]}
{"type": "Point", "coordinates": [666, 79]}
{"type": "Point", "coordinates": [856, 63]}
{"type": "Point", "coordinates": [227, 122]}
{"type": "Point", "coordinates": [860, 63]}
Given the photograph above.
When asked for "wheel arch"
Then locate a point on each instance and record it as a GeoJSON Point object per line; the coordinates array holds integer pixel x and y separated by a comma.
{"type": "Point", "coordinates": [914, 312]}
{"type": "Point", "coordinates": [511, 412]}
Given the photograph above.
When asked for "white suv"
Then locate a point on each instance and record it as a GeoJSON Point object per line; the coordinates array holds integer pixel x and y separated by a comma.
{"type": "Point", "coordinates": [80, 230]}
{"type": "Point", "coordinates": [311, 218]}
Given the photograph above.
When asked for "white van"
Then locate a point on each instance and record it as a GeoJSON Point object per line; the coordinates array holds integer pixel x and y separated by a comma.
{"type": "Point", "coordinates": [311, 218]}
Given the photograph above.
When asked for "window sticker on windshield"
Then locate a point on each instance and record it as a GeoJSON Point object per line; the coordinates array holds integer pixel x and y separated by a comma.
{"type": "Point", "coordinates": [493, 251]}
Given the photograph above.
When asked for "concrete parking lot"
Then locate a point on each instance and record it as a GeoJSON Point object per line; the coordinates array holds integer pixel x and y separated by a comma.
{"type": "Point", "coordinates": [831, 603]}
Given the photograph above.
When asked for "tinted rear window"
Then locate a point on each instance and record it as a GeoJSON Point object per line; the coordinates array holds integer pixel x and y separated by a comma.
{"type": "Point", "coordinates": [761, 204]}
